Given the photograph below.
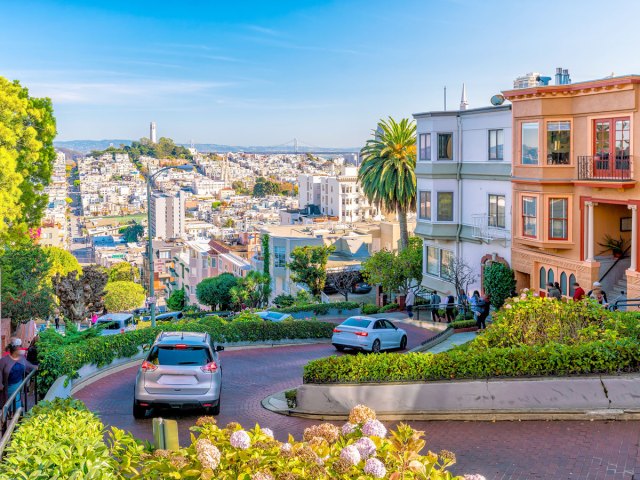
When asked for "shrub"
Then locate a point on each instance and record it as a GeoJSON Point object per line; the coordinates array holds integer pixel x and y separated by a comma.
{"type": "Point", "coordinates": [499, 283]}
{"type": "Point", "coordinates": [284, 300]}
{"type": "Point", "coordinates": [463, 323]}
{"type": "Point", "coordinates": [292, 398]}
{"type": "Point", "coordinates": [370, 309]}
{"type": "Point", "coordinates": [464, 316]}
{"type": "Point", "coordinates": [318, 308]}
{"type": "Point", "coordinates": [57, 358]}
{"type": "Point", "coordinates": [389, 307]}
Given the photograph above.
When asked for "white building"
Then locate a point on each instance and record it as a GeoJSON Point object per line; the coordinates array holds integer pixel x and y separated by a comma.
{"type": "Point", "coordinates": [153, 136]}
{"type": "Point", "coordinates": [336, 196]}
{"type": "Point", "coordinates": [167, 216]}
{"type": "Point", "coordinates": [463, 203]}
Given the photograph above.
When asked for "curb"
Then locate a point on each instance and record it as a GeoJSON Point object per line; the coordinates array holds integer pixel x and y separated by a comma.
{"type": "Point", "coordinates": [433, 341]}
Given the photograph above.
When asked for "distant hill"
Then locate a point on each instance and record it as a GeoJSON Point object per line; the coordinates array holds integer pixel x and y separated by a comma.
{"type": "Point", "coordinates": [86, 146]}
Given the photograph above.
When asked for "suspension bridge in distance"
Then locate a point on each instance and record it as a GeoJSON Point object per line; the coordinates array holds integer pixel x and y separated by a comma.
{"type": "Point", "coordinates": [296, 147]}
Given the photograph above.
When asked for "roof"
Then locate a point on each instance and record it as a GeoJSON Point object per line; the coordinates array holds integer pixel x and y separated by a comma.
{"type": "Point", "coordinates": [114, 317]}
{"type": "Point", "coordinates": [469, 111]}
{"type": "Point", "coordinates": [606, 83]}
{"type": "Point", "coordinates": [189, 338]}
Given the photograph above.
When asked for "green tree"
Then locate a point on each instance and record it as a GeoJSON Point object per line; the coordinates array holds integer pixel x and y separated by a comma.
{"type": "Point", "coordinates": [176, 300]}
{"type": "Point", "coordinates": [133, 233]}
{"type": "Point", "coordinates": [387, 173]}
{"type": "Point", "coordinates": [123, 272]}
{"type": "Point", "coordinates": [229, 223]}
{"type": "Point", "coordinates": [123, 296]}
{"type": "Point", "coordinates": [62, 262]}
{"type": "Point", "coordinates": [215, 291]}
{"type": "Point", "coordinates": [26, 292]}
{"type": "Point", "coordinates": [309, 266]}
{"type": "Point", "coordinates": [395, 272]}
{"type": "Point", "coordinates": [252, 290]}
{"type": "Point", "coordinates": [76, 183]}
{"type": "Point", "coordinates": [266, 254]}
{"type": "Point", "coordinates": [499, 283]}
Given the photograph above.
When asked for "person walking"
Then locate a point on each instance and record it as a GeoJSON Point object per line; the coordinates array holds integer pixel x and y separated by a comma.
{"type": "Point", "coordinates": [553, 292]}
{"type": "Point", "coordinates": [450, 310]}
{"type": "Point", "coordinates": [578, 292]}
{"type": "Point", "coordinates": [435, 306]}
{"type": "Point", "coordinates": [13, 368]}
{"type": "Point", "coordinates": [463, 301]}
{"type": "Point", "coordinates": [94, 319]}
{"type": "Point", "coordinates": [592, 293]}
{"type": "Point", "coordinates": [599, 296]}
{"type": "Point", "coordinates": [620, 303]}
{"type": "Point", "coordinates": [410, 301]}
{"type": "Point", "coordinates": [484, 313]}
{"type": "Point", "coordinates": [475, 305]}
{"type": "Point", "coordinates": [57, 320]}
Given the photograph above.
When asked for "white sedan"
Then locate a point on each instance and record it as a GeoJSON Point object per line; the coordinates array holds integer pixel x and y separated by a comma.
{"type": "Point", "coordinates": [368, 334]}
{"type": "Point", "coordinates": [274, 316]}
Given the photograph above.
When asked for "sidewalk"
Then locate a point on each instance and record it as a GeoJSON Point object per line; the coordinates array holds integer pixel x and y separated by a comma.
{"type": "Point", "coordinates": [453, 341]}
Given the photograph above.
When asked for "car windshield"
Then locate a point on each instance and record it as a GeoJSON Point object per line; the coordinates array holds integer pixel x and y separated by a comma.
{"type": "Point", "coordinates": [109, 325]}
{"type": "Point", "coordinates": [179, 355]}
{"type": "Point", "coordinates": [356, 322]}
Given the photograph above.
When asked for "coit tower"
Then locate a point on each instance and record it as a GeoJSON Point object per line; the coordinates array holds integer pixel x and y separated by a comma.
{"type": "Point", "coordinates": [152, 133]}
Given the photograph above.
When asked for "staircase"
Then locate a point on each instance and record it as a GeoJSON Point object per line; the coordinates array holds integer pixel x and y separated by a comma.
{"type": "Point", "coordinates": [615, 281]}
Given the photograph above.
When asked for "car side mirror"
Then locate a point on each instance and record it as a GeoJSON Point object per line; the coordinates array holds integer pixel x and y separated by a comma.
{"type": "Point", "coordinates": [146, 347]}
{"type": "Point", "coordinates": [219, 348]}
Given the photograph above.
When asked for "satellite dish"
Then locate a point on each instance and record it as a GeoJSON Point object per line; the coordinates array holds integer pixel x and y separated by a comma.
{"type": "Point", "coordinates": [497, 100]}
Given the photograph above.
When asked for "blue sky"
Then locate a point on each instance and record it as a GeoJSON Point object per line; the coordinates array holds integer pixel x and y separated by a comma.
{"type": "Point", "coordinates": [262, 73]}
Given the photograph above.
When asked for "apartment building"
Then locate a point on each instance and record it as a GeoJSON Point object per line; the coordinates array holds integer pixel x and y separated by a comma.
{"type": "Point", "coordinates": [167, 216]}
{"type": "Point", "coordinates": [463, 170]}
{"type": "Point", "coordinates": [575, 183]}
{"type": "Point", "coordinates": [337, 196]}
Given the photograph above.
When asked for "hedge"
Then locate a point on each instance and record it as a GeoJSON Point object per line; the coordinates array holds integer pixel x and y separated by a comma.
{"type": "Point", "coordinates": [318, 308]}
{"type": "Point", "coordinates": [610, 357]}
{"type": "Point", "coordinates": [57, 360]}
{"type": "Point", "coordinates": [463, 324]}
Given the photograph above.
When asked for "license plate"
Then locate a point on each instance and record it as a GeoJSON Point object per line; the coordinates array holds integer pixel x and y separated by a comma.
{"type": "Point", "coordinates": [177, 380]}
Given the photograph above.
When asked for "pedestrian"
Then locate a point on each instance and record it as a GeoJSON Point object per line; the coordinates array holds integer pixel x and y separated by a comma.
{"type": "Point", "coordinates": [13, 368]}
{"type": "Point", "coordinates": [598, 296]}
{"type": "Point", "coordinates": [592, 293]}
{"type": "Point", "coordinates": [463, 301]}
{"type": "Point", "coordinates": [435, 306]}
{"type": "Point", "coordinates": [553, 292]}
{"type": "Point", "coordinates": [450, 310]}
{"type": "Point", "coordinates": [410, 301]}
{"type": "Point", "coordinates": [578, 292]}
{"type": "Point", "coordinates": [621, 302]}
{"type": "Point", "coordinates": [32, 351]}
{"type": "Point", "coordinates": [484, 313]}
{"type": "Point", "coordinates": [57, 320]}
{"type": "Point", "coordinates": [474, 303]}
{"type": "Point", "coordinates": [94, 318]}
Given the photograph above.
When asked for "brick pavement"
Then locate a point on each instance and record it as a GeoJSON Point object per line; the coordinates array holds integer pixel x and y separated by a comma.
{"type": "Point", "coordinates": [501, 450]}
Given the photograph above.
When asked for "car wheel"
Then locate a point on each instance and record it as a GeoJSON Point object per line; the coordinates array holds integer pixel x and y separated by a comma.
{"type": "Point", "coordinates": [403, 342]}
{"type": "Point", "coordinates": [138, 411]}
{"type": "Point", "coordinates": [339, 348]}
{"type": "Point", "coordinates": [375, 348]}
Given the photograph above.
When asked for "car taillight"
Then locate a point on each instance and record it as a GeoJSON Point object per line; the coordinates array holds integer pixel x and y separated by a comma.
{"type": "Point", "coordinates": [181, 346]}
{"type": "Point", "coordinates": [148, 366]}
{"type": "Point", "coordinates": [210, 367]}
{"type": "Point", "coordinates": [362, 334]}
{"type": "Point", "coordinates": [335, 330]}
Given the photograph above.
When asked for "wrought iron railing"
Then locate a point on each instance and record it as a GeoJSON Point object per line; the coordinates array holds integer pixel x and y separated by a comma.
{"type": "Point", "coordinates": [10, 415]}
{"type": "Point", "coordinates": [604, 167]}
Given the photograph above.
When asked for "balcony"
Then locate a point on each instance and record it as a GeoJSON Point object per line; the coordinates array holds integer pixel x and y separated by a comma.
{"type": "Point", "coordinates": [603, 168]}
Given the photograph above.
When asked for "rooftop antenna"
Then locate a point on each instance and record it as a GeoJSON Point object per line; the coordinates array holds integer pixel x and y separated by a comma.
{"type": "Point", "coordinates": [445, 98]}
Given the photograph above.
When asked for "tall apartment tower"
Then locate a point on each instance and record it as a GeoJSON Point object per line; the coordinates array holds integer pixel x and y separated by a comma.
{"type": "Point", "coordinates": [167, 216]}
{"type": "Point", "coordinates": [153, 136]}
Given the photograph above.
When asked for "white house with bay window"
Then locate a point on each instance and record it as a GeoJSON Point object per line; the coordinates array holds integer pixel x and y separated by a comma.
{"type": "Point", "coordinates": [463, 171]}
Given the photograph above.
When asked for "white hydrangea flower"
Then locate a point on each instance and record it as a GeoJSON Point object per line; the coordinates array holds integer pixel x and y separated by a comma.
{"type": "Point", "coordinates": [366, 447]}
{"type": "Point", "coordinates": [473, 476]}
{"type": "Point", "coordinates": [240, 439]}
{"type": "Point", "coordinates": [267, 431]}
{"type": "Point", "coordinates": [348, 428]}
{"type": "Point", "coordinates": [351, 454]}
{"type": "Point", "coordinates": [374, 428]}
{"type": "Point", "coordinates": [207, 453]}
{"type": "Point", "coordinates": [375, 468]}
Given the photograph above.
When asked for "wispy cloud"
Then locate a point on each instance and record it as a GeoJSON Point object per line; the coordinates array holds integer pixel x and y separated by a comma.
{"type": "Point", "coordinates": [264, 30]}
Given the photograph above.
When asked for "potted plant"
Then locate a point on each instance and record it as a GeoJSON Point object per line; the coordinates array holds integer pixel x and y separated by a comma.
{"type": "Point", "coordinates": [616, 245]}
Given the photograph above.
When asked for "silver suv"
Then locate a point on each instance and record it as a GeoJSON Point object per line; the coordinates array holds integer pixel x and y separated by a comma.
{"type": "Point", "coordinates": [182, 370]}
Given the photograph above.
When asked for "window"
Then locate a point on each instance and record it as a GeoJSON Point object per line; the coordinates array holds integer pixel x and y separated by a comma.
{"type": "Point", "coordinates": [446, 258]}
{"type": "Point", "coordinates": [496, 211]}
{"type": "Point", "coordinates": [425, 205]}
{"type": "Point", "coordinates": [445, 206]}
{"type": "Point", "coordinates": [445, 146]}
{"type": "Point", "coordinates": [550, 276]}
{"type": "Point", "coordinates": [496, 144]}
{"type": "Point", "coordinates": [543, 278]}
{"type": "Point", "coordinates": [279, 257]}
{"type": "Point", "coordinates": [558, 143]}
{"type": "Point", "coordinates": [432, 260]}
{"type": "Point", "coordinates": [558, 223]}
{"type": "Point", "coordinates": [529, 143]}
{"type": "Point", "coordinates": [529, 216]}
{"type": "Point", "coordinates": [572, 289]}
{"type": "Point", "coordinates": [563, 283]}
{"type": "Point", "coordinates": [425, 146]}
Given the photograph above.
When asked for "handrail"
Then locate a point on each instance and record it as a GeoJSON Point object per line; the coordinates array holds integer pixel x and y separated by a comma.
{"type": "Point", "coordinates": [614, 263]}
{"type": "Point", "coordinates": [629, 302]}
{"type": "Point", "coordinates": [9, 402]}
{"type": "Point", "coordinates": [7, 430]}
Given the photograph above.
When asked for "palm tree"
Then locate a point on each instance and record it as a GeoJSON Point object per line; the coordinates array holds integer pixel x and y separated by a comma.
{"type": "Point", "coordinates": [387, 173]}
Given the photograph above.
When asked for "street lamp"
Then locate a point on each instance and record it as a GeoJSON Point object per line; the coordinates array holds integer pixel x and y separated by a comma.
{"type": "Point", "coordinates": [152, 299]}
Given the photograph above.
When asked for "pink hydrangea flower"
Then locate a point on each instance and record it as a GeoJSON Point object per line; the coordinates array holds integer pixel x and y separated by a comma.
{"type": "Point", "coordinates": [374, 428]}
{"type": "Point", "coordinates": [366, 447]}
{"type": "Point", "coordinates": [348, 428]}
{"type": "Point", "coordinates": [351, 454]}
{"type": "Point", "coordinates": [375, 468]}
{"type": "Point", "coordinates": [267, 431]}
{"type": "Point", "coordinates": [240, 439]}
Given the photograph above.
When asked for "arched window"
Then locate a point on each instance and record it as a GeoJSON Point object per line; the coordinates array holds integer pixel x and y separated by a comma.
{"type": "Point", "coordinates": [543, 276]}
{"type": "Point", "coordinates": [572, 280]}
{"type": "Point", "coordinates": [563, 283]}
{"type": "Point", "coordinates": [550, 277]}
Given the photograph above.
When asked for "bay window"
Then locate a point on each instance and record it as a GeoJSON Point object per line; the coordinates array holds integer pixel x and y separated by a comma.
{"type": "Point", "coordinates": [529, 143]}
{"type": "Point", "coordinates": [558, 143]}
{"type": "Point", "coordinates": [530, 216]}
{"type": "Point", "coordinates": [558, 219]}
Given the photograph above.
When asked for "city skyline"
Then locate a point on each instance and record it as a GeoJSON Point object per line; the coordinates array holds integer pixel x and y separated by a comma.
{"type": "Point", "coordinates": [322, 72]}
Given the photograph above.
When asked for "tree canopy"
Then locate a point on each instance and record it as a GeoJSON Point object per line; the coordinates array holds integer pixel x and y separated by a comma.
{"type": "Point", "coordinates": [499, 283]}
{"type": "Point", "coordinates": [122, 296]}
{"type": "Point", "coordinates": [252, 291]}
{"type": "Point", "coordinates": [216, 291]}
{"type": "Point", "coordinates": [123, 272]}
{"type": "Point", "coordinates": [176, 300]}
{"type": "Point", "coordinates": [27, 130]}
{"type": "Point", "coordinates": [309, 266]}
{"type": "Point", "coordinates": [264, 187]}
{"type": "Point", "coordinates": [62, 262]}
{"type": "Point", "coordinates": [133, 233]}
{"type": "Point", "coordinates": [395, 272]}
{"type": "Point", "coordinates": [387, 173]}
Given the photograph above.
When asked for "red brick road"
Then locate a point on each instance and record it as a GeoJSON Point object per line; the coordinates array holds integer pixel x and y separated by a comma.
{"type": "Point", "coordinates": [501, 450]}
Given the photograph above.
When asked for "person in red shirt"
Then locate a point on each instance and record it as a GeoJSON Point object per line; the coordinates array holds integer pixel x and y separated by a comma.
{"type": "Point", "coordinates": [578, 293]}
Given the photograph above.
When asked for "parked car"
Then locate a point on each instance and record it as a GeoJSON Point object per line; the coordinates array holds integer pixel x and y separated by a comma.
{"type": "Point", "coordinates": [181, 370]}
{"type": "Point", "coordinates": [330, 289]}
{"type": "Point", "coordinates": [113, 323]}
{"type": "Point", "coordinates": [368, 334]}
{"type": "Point", "coordinates": [165, 317]}
{"type": "Point", "coordinates": [274, 316]}
{"type": "Point", "coordinates": [361, 287]}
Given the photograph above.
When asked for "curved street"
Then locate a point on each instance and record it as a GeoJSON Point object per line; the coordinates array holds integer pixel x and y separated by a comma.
{"type": "Point", "coordinates": [498, 450]}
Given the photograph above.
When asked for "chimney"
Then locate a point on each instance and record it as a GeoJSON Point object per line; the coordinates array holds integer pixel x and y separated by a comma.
{"type": "Point", "coordinates": [566, 80]}
{"type": "Point", "coordinates": [559, 76]}
{"type": "Point", "coordinates": [463, 100]}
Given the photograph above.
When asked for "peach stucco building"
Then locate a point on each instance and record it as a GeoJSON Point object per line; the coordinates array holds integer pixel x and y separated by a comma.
{"type": "Point", "coordinates": [575, 180]}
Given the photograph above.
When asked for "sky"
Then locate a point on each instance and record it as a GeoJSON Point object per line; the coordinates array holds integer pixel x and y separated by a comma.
{"type": "Point", "coordinates": [265, 72]}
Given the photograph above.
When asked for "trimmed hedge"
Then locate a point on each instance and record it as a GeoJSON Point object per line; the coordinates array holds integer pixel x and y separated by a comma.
{"type": "Point", "coordinates": [463, 324]}
{"type": "Point", "coordinates": [56, 360]}
{"type": "Point", "coordinates": [389, 307]}
{"type": "Point", "coordinates": [318, 308]}
{"type": "Point", "coordinates": [370, 309]}
{"type": "Point", "coordinates": [613, 356]}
